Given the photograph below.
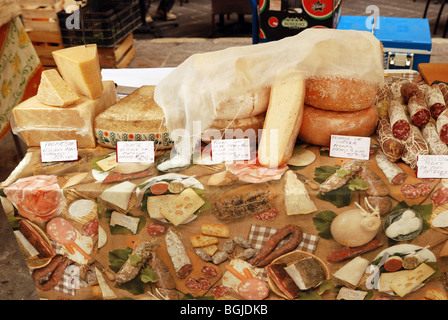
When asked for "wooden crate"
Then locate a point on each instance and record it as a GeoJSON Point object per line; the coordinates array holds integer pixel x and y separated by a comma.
{"type": "Point", "coordinates": [119, 56]}
{"type": "Point", "coordinates": [41, 22]}
{"type": "Point", "coordinates": [40, 19]}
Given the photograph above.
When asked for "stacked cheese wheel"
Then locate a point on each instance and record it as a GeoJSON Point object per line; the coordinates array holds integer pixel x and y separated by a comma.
{"type": "Point", "coordinates": [338, 106]}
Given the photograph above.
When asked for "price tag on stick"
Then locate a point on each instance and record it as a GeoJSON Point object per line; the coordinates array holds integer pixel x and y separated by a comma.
{"type": "Point", "coordinates": [63, 150]}
{"type": "Point", "coordinates": [432, 167]}
{"type": "Point", "coordinates": [230, 150]}
{"type": "Point", "coordinates": [135, 151]}
{"type": "Point", "coordinates": [350, 147]}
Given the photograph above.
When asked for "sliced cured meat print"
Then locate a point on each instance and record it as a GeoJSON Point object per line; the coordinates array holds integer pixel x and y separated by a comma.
{"type": "Point", "coordinates": [440, 196]}
{"type": "Point", "coordinates": [209, 271]}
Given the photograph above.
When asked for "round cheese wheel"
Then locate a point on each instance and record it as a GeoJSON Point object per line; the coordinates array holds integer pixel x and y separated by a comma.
{"type": "Point", "coordinates": [339, 94]}
{"type": "Point", "coordinates": [318, 125]}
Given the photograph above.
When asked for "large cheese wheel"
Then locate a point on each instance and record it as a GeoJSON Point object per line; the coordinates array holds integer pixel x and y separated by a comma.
{"type": "Point", "coordinates": [339, 94]}
{"type": "Point", "coordinates": [318, 125]}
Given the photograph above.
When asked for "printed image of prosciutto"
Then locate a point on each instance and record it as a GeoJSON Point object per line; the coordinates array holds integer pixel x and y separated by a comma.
{"type": "Point", "coordinates": [37, 198]}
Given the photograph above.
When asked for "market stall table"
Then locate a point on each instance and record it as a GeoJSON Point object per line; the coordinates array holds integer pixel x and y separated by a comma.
{"type": "Point", "coordinates": [117, 230]}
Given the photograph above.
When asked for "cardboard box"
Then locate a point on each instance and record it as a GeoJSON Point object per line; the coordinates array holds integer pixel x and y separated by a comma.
{"type": "Point", "coordinates": [282, 18]}
{"type": "Point", "coordinates": [406, 41]}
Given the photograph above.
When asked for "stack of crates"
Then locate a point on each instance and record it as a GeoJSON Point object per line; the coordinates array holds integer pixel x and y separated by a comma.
{"type": "Point", "coordinates": [50, 28]}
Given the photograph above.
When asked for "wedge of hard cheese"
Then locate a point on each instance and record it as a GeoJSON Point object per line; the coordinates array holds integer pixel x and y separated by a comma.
{"type": "Point", "coordinates": [282, 123]}
{"type": "Point", "coordinates": [183, 207]}
{"type": "Point", "coordinates": [405, 284]}
{"type": "Point", "coordinates": [38, 122]}
{"type": "Point", "coordinates": [135, 117]}
{"type": "Point", "coordinates": [80, 68]}
{"type": "Point", "coordinates": [297, 199]}
{"type": "Point", "coordinates": [54, 91]}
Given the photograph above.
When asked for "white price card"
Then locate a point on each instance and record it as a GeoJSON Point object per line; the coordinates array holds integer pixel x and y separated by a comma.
{"type": "Point", "coordinates": [432, 167]}
{"type": "Point", "coordinates": [135, 151]}
{"type": "Point", "coordinates": [350, 147]}
{"type": "Point", "coordinates": [230, 150]}
{"type": "Point", "coordinates": [63, 150]}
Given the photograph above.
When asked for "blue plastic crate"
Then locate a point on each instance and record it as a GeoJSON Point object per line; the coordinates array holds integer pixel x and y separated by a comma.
{"type": "Point", "coordinates": [406, 41]}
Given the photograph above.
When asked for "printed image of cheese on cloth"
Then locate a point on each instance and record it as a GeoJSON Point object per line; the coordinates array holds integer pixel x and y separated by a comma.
{"type": "Point", "coordinates": [119, 195]}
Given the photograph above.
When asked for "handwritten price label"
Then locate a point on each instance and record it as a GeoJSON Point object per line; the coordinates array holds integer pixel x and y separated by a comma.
{"type": "Point", "coordinates": [350, 147]}
{"type": "Point", "coordinates": [54, 151]}
{"type": "Point", "coordinates": [432, 167]}
{"type": "Point", "coordinates": [230, 150]}
{"type": "Point", "coordinates": [135, 151]}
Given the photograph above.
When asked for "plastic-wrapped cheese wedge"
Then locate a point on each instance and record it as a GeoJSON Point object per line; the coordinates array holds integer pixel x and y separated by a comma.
{"type": "Point", "coordinates": [80, 68]}
{"type": "Point", "coordinates": [37, 122]}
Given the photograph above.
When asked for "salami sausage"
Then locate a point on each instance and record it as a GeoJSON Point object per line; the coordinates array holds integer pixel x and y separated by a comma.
{"type": "Point", "coordinates": [414, 146]}
{"type": "Point", "coordinates": [394, 174]}
{"type": "Point", "coordinates": [181, 261]}
{"type": "Point", "coordinates": [407, 90]}
{"type": "Point", "coordinates": [440, 196]}
{"type": "Point", "coordinates": [432, 138]}
{"type": "Point", "coordinates": [220, 291]}
{"type": "Point", "coordinates": [418, 112]}
{"type": "Point", "coordinates": [392, 147]}
{"type": "Point", "coordinates": [376, 186]}
{"type": "Point", "coordinates": [444, 89]}
{"type": "Point", "coordinates": [155, 229]}
{"type": "Point", "coordinates": [395, 89]}
{"type": "Point", "coordinates": [414, 191]}
{"type": "Point", "coordinates": [335, 181]}
{"type": "Point", "coordinates": [192, 284]}
{"type": "Point", "coordinates": [410, 191]}
{"type": "Point", "coordinates": [382, 204]}
{"type": "Point", "coordinates": [267, 215]}
{"type": "Point", "coordinates": [90, 229]}
{"type": "Point", "coordinates": [164, 278]}
{"type": "Point", "coordinates": [209, 272]}
{"type": "Point", "coordinates": [442, 126]}
{"type": "Point", "coordinates": [399, 121]}
{"type": "Point", "coordinates": [435, 101]}
{"type": "Point", "coordinates": [204, 283]}
{"type": "Point", "coordinates": [424, 188]}
{"type": "Point", "coordinates": [351, 252]}
{"type": "Point", "coordinates": [268, 252]}
{"type": "Point", "coordinates": [54, 270]}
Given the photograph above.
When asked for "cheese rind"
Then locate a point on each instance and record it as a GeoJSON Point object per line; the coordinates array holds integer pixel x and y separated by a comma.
{"type": "Point", "coordinates": [80, 68]}
{"type": "Point", "coordinates": [54, 91]}
{"type": "Point", "coordinates": [38, 122]}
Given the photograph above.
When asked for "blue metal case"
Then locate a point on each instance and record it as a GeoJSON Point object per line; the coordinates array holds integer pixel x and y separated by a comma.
{"type": "Point", "coordinates": [406, 41]}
